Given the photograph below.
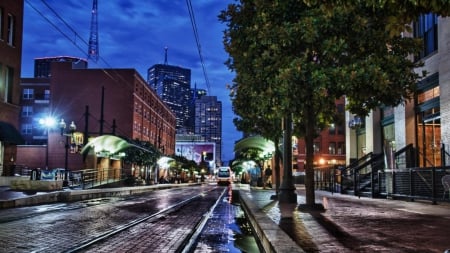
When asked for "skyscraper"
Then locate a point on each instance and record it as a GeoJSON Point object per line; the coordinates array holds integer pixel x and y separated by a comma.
{"type": "Point", "coordinates": [173, 86]}
{"type": "Point", "coordinates": [208, 122]}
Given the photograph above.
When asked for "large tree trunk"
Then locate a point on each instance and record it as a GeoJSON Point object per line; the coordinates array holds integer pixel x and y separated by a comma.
{"type": "Point", "coordinates": [309, 170]}
{"type": "Point", "coordinates": [277, 168]}
{"type": "Point", "coordinates": [287, 188]}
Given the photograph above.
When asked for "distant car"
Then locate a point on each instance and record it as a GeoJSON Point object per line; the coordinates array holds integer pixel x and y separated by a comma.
{"type": "Point", "coordinates": [224, 176]}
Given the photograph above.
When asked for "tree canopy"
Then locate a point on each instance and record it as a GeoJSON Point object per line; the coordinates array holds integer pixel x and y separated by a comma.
{"type": "Point", "coordinates": [297, 57]}
{"type": "Point", "coordinates": [142, 157]}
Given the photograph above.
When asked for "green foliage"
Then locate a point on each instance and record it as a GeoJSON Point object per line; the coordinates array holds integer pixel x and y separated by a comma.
{"type": "Point", "coordinates": [297, 57]}
{"type": "Point", "coordinates": [182, 162]}
{"type": "Point", "coordinates": [142, 157]}
{"type": "Point", "coordinates": [292, 55]}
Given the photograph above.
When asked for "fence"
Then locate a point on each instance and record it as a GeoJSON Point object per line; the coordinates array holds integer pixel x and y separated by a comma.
{"type": "Point", "coordinates": [84, 179]}
{"type": "Point", "coordinates": [90, 178]}
{"type": "Point", "coordinates": [411, 183]}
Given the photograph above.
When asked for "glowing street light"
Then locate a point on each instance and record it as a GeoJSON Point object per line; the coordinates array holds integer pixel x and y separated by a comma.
{"type": "Point", "coordinates": [47, 122]}
{"type": "Point", "coordinates": [69, 133]}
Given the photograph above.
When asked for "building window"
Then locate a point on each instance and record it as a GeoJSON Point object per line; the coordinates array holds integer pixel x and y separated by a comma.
{"type": "Point", "coordinates": [28, 94]}
{"type": "Point", "coordinates": [426, 29]}
{"type": "Point", "coordinates": [316, 147]}
{"type": "Point", "coordinates": [9, 84]}
{"type": "Point", "coordinates": [1, 24]}
{"type": "Point", "coordinates": [2, 85]}
{"type": "Point", "coordinates": [27, 129]}
{"type": "Point", "coordinates": [428, 120]}
{"type": "Point", "coordinates": [47, 94]}
{"type": "Point", "coordinates": [27, 111]}
{"type": "Point", "coordinates": [427, 95]}
{"type": "Point", "coordinates": [11, 32]}
{"type": "Point", "coordinates": [341, 148]}
{"type": "Point", "coordinates": [332, 148]}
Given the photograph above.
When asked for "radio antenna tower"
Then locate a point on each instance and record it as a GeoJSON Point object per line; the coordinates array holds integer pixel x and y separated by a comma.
{"type": "Point", "coordinates": [93, 38]}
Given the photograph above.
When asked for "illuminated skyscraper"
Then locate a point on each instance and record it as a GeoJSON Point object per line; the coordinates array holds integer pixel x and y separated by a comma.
{"type": "Point", "coordinates": [208, 122]}
{"type": "Point", "coordinates": [173, 86]}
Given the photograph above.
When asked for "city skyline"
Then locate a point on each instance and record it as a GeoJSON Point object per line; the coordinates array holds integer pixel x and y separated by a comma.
{"type": "Point", "coordinates": [135, 35]}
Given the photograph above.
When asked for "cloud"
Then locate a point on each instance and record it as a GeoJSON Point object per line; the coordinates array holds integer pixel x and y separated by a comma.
{"type": "Point", "coordinates": [133, 34]}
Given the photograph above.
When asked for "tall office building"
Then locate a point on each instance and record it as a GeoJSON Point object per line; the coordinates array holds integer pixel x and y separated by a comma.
{"type": "Point", "coordinates": [208, 122]}
{"type": "Point", "coordinates": [173, 86]}
{"type": "Point", "coordinates": [195, 95]}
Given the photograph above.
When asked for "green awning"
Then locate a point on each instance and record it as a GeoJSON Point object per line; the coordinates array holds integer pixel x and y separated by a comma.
{"type": "Point", "coordinates": [9, 134]}
{"type": "Point", "coordinates": [255, 142]}
{"type": "Point", "coordinates": [108, 145]}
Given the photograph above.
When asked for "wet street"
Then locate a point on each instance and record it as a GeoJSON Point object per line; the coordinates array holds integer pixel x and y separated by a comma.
{"type": "Point", "coordinates": [189, 219]}
{"type": "Point", "coordinates": [227, 229]}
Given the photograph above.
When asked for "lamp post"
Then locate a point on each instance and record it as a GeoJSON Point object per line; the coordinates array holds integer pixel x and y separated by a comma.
{"type": "Point", "coordinates": [47, 122]}
{"type": "Point", "coordinates": [355, 124]}
{"type": "Point", "coordinates": [72, 128]}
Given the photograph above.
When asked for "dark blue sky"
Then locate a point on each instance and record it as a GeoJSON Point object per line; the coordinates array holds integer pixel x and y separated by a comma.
{"type": "Point", "coordinates": [133, 34]}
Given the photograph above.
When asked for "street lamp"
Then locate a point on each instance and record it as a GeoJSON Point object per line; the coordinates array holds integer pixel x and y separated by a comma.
{"type": "Point", "coordinates": [72, 128]}
{"type": "Point", "coordinates": [355, 124]}
{"type": "Point", "coordinates": [48, 122]}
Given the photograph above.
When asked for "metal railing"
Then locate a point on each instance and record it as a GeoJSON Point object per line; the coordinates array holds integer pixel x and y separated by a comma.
{"type": "Point", "coordinates": [368, 177]}
{"type": "Point", "coordinates": [91, 178]}
{"type": "Point", "coordinates": [87, 178]}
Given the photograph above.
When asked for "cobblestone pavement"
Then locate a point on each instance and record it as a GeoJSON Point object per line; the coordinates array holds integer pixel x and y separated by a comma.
{"type": "Point", "coordinates": [352, 224]}
{"type": "Point", "coordinates": [60, 226]}
{"type": "Point", "coordinates": [166, 233]}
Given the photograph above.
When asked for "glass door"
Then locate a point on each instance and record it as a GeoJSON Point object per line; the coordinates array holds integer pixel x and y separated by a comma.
{"type": "Point", "coordinates": [429, 138]}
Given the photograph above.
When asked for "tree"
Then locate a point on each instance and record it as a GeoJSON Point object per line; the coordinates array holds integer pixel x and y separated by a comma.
{"type": "Point", "coordinates": [144, 156]}
{"type": "Point", "coordinates": [296, 57]}
{"type": "Point", "coordinates": [181, 162]}
{"type": "Point", "coordinates": [268, 127]}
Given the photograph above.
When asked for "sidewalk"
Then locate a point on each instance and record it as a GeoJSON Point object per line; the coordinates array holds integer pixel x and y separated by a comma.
{"type": "Point", "coordinates": [349, 224]}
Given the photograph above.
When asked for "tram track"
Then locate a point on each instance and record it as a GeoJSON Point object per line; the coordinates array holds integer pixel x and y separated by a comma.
{"type": "Point", "coordinates": [46, 209]}
{"type": "Point", "coordinates": [197, 207]}
{"type": "Point", "coordinates": [64, 227]}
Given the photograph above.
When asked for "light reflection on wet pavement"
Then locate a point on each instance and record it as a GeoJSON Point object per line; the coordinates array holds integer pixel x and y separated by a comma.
{"type": "Point", "coordinates": [227, 230]}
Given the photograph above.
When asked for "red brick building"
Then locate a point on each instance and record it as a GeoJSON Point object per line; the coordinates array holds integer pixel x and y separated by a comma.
{"type": "Point", "coordinates": [99, 102]}
{"type": "Point", "coordinates": [329, 147]}
{"type": "Point", "coordinates": [11, 26]}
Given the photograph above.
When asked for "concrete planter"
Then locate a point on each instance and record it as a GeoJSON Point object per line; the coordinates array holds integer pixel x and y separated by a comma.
{"type": "Point", "coordinates": [36, 185]}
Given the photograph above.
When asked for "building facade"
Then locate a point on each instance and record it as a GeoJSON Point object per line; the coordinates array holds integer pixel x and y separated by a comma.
{"type": "Point", "coordinates": [208, 122]}
{"type": "Point", "coordinates": [173, 86]}
{"type": "Point", "coordinates": [423, 122]}
{"type": "Point", "coordinates": [35, 103]}
{"type": "Point", "coordinates": [42, 66]}
{"type": "Point", "coordinates": [329, 146]}
{"type": "Point", "coordinates": [11, 27]}
{"type": "Point", "coordinates": [35, 98]}
{"type": "Point", "coordinates": [98, 102]}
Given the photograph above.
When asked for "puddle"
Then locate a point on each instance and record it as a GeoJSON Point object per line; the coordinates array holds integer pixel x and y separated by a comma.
{"type": "Point", "coordinates": [227, 230]}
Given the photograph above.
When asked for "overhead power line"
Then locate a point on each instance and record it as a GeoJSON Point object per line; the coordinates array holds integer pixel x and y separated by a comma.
{"type": "Point", "coordinates": [197, 40]}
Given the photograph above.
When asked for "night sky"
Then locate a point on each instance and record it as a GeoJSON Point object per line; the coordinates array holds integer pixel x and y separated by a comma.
{"type": "Point", "coordinates": [133, 34]}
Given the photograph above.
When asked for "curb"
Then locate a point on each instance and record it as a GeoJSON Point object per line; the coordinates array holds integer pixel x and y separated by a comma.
{"type": "Point", "coordinates": [271, 236]}
{"type": "Point", "coordinates": [77, 195]}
